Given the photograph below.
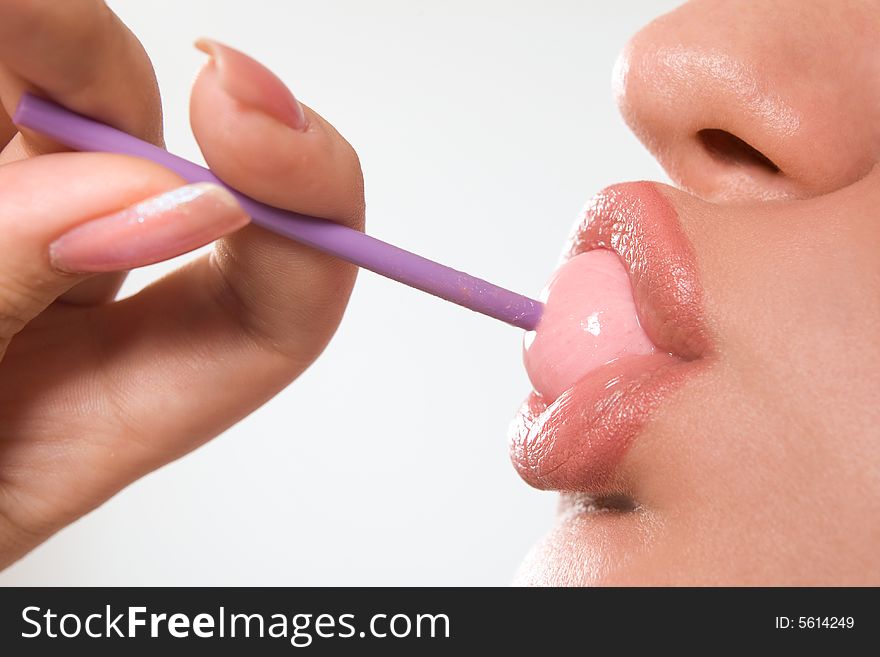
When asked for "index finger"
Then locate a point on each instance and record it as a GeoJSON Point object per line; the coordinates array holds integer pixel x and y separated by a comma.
{"type": "Point", "coordinates": [80, 54]}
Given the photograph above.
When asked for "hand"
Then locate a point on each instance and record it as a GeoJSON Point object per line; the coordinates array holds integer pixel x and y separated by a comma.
{"type": "Point", "coordinates": [96, 393]}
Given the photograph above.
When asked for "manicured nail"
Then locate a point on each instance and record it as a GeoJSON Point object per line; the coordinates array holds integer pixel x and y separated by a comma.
{"type": "Point", "coordinates": [156, 229]}
{"type": "Point", "coordinates": [254, 85]}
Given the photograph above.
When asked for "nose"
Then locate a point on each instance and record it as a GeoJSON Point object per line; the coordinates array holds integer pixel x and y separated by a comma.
{"type": "Point", "coordinates": [756, 99]}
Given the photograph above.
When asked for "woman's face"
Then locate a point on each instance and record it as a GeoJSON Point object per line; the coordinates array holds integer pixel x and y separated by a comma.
{"type": "Point", "coordinates": [754, 458]}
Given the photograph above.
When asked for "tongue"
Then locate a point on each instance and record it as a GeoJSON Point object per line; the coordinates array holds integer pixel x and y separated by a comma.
{"type": "Point", "coordinates": [589, 320]}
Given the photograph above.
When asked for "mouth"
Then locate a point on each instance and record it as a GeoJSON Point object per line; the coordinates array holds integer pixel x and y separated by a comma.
{"type": "Point", "coordinates": [574, 439]}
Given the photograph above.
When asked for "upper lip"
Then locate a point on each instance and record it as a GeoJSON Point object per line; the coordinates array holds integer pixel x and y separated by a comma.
{"type": "Point", "coordinates": [576, 442]}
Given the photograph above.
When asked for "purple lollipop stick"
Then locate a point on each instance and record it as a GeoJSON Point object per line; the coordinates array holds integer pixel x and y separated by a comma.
{"type": "Point", "coordinates": [84, 134]}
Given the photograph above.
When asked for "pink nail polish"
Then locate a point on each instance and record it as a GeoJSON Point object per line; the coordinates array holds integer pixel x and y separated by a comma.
{"type": "Point", "coordinates": [252, 84]}
{"type": "Point", "coordinates": [156, 229]}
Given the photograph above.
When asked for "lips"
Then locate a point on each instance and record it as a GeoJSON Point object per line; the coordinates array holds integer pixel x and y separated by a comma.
{"type": "Point", "coordinates": [576, 441]}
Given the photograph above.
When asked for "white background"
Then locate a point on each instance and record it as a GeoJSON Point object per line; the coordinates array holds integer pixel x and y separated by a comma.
{"type": "Point", "coordinates": [482, 128]}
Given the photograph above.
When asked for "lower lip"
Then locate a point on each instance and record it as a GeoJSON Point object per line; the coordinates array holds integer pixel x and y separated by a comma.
{"type": "Point", "coordinates": [576, 442]}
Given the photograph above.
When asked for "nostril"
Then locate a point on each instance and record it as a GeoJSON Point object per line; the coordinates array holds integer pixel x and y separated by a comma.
{"type": "Point", "coordinates": [729, 148]}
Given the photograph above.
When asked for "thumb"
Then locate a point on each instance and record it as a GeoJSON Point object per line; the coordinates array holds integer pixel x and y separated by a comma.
{"type": "Point", "coordinates": [59, 225]}
{"type": "Point", "coordinates": [257, 137]}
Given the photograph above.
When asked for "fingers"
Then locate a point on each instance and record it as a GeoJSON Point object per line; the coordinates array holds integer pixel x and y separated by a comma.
{"type": "Point", "coordinates": [80, 54]}
{"type": "Point", "coordinates": [62, 217]}
{"type": "Point", "coordinates": [68, 215]}
{"type": "Point", "coordinates": [258, 138]}
{"type": "Point", "coordinates": [155, 375]}
{"type": "Point", "coordinates": [203, 347]}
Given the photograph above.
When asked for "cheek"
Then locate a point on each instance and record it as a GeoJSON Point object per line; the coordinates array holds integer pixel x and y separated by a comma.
{"type": "Point", "coordinates": [771, 461]}
{"type": "Point", "coordinates": [744, 494]}
{"type": "Point", "coordinates": [796, 312]}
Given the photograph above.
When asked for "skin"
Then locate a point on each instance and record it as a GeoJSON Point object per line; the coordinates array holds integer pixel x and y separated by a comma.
{"type": "Point", "coordinates": [95, 393]}
{"type": "Point", "coordinates": [764, 467]}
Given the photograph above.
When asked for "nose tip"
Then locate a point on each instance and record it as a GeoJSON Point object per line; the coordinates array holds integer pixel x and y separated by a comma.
{"type": "Point", "coordinates": [755, 112]}
{"type": "Point", "coordinates": [711, 125]}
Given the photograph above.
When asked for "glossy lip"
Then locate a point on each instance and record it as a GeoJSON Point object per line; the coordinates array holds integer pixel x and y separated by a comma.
{"type": "Point", "coordinates": [574, 443]}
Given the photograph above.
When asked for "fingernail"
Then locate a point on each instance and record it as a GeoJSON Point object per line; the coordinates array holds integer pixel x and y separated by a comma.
{"type": "Point", "coordinates": [254, 85]}
{"type": "Point", "coordinates": [156, 229]}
